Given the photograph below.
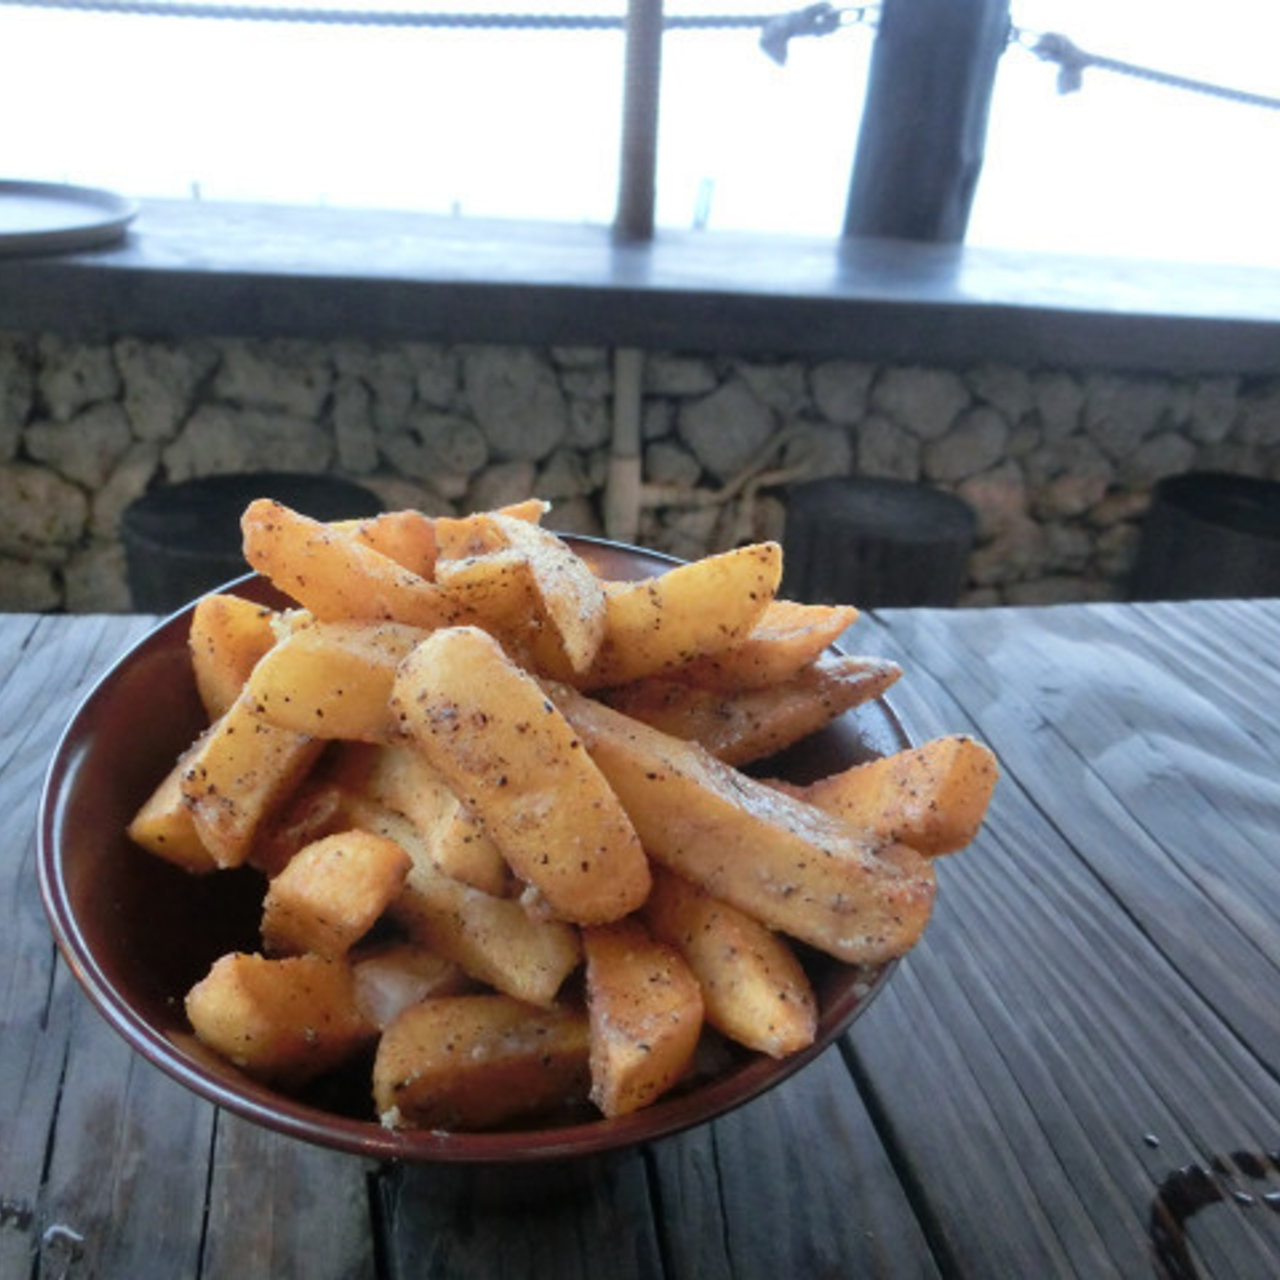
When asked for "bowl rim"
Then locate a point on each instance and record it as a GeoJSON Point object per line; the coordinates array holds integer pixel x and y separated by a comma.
{"type": "Point", "coordinates": [756, 1075]}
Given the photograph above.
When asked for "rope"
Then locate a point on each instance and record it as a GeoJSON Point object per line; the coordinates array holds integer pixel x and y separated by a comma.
{"type": "Point", "coordinates": [1072, 62]}
{"type": "Point", "coordinates": [817, 19]}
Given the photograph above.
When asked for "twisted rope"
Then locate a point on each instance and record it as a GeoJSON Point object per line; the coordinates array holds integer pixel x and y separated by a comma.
{"type": "Point", "coordinates": [403, 17]}
{"type": "Point", "coordinates": [1072, 62]}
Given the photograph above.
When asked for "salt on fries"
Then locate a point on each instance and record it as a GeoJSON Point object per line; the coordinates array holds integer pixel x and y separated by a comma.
{"type": "Point", "coordinates": [499, 806]}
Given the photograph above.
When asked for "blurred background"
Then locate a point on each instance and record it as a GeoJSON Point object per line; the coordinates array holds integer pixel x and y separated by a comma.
{"type": "Point", "coordinates": [512, 122]}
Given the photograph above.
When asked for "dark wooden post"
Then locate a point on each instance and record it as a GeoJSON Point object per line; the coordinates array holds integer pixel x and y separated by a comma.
{"type": "Point", "coordinates": [924, 125]}
{"type": "Point", "coordinates": [639, 152]}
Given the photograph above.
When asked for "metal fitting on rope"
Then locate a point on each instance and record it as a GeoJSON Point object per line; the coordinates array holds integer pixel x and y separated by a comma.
{"type": "Point", "coordinates": [1071, 59]}
{"type": "Point", "coordinates": [815, 20]}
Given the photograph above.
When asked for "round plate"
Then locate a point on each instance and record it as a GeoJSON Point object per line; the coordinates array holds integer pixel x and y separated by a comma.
{"type": "Point", "coordinates": [53, 217]}
{"type": "Point", "coordinates": [138, 932]}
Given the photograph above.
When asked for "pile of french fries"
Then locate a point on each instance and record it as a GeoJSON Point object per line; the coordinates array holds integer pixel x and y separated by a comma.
{"type": "Point", "coordinates": [509, 849]}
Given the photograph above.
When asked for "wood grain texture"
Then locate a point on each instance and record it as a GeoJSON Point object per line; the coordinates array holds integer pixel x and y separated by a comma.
{"type": "Point", "coordinates": [573, 1221]}
{"type": "Point", "coordinates": [800, 1184]}
{"type": "Point", "coordinates": [1094, 1002]}
{"type": "Point", "coordinates": [1084, 1048]}
{"type": "Point", "coordinates": [45, 666]}
{"type": "Point", "coordinates": [278, 1207]}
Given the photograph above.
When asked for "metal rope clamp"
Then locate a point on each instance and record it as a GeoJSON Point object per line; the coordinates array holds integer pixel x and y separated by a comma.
{"type": "Point", "coordinates": [815, 20]}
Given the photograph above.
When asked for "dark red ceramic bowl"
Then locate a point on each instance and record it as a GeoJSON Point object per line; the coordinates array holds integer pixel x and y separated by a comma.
{"type": "Point", "coordinates": [138, 932]}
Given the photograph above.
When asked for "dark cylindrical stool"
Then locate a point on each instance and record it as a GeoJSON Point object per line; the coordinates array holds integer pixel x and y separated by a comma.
{"type": "Point", "coordinates": [875, 542]}
{"type": "Point", "coordinates": [181, 540]}
{"type": "Point", "coordinates": [1209, 535]}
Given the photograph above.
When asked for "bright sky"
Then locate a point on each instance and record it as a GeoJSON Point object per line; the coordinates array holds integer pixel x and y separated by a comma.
{"type": "Point", "coordinates": [526, 124]}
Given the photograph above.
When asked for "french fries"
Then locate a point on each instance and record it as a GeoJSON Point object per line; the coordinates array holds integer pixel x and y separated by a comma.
{"type": "Point", "coordinates": [333, 679]}
{"type": "Point", "coordinates": [932, 797]}
{"type": "Point", "coordinates": [331, 893]}
{"type": "Point", "coordinates": [499, 809]}
{"type": "Point", "coordinates": [477, 1062]}
{"type": "Point", "coordinates": [286, 1021]}
{"type": "Point", "coordinates": [790, 865]}
{"type": "Point", "coordinates": [750, 724]}
{"type": "Point", "coordinates": [489, 729]}
{"type": "Point", "coordinates": [645, 1010]}
{"type": "Point", "coordinates": [754, 989]}
{"type": "Point", "coordinates": [228, 636]}
{"type": "Point", "coordinates": [238, 772]}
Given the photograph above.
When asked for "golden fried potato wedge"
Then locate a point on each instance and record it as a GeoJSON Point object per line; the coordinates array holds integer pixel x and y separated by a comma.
{"type": "Point", "coordinates": [530, 509]}
{"type": "Point", "coordinates": [399, 777]}
{"type": "Point", "coordinates": [788, 637]}
{"type": "Point", "coordinates": [337, 577]}
{"type": "Point", "coordinates": [407, 537]}
{"type": "Point", "coordinates": [494, 940]}
{"type": "Point", "coordinates": [518, 577]}
{"type": "Point", "coordinates": [166, 827]}
{"type": "Point", "coordinates": [390, 976]}
{"type": "Point", "coordinates": [477, 1062]}
{"type": "Point", "coordinates": [661, 623]}
{"type": "Point", "coordinates": [331, 894]}
{"type": "Point", "coordinates": [786, 863]}
{"type": "Point", "coordinates": [286, 1021]}
{"type": "Point", "coordinates": [932, 797]}
{"type": "Point", "coordinates": [314, 809]}
{"type": "Point", "coordinates": [239, 771]}
{"type": "Point", "coordinates": [749, 725]}
{"type": "Point", "coordinates": [500, 743]}
{"type": "Point", "coordinates": [754, 989]}
{"type": "Point", "coordinates": [334, 679]}
{"type": "Point", "coordinates": [228, 636]}
{"type": "Point", "coordinates": [645, 1009]}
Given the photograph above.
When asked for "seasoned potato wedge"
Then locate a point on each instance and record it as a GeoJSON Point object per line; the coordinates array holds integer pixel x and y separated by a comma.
{"type": "Point", "coordinates": [749, 725]}
{"type": "Point", "coordinates": [400, 778]}
{"type": "Point", "coordinates": [335, 575]}
{"type": "Point", "coordinates": [391, 976]}
{"type": "Point", "coordinates": [788, 637]}
{"type": "Point", "coordinates": [755, 990]}
{"type": "Point", "coordinates": [285, 1021]}
{"type": "Point", "coordinates": [494, 940]}
{"type": "Point", "coordinates": [932, 797]}
{"type": "Point", "coordinates": [239, 771]}
{"type": "Point", "coordinates": [407, 537]}
{"type": "Point", "coordinates": [477, 1062]}
{"type": "Point", "coordinates": [313, 810]}
{"type": "Point", "coordinates": [332, 892]}
{"type": "Point", "coordinates": [659, 624]}
{"type": "Point", "coordinates": [522, 578]}
{"type": "Point", "coordinates": [489, 729]}
{"type": "Point", "coordinates": [645, 1009]}
{"type": "Point", "coordinates": [228, 636]}
{"type": "Point", "coordinates": [495, 798]}
{"type": "Point", "coordinates": [166, 826]}
{"type": "Point", "coordinates": [787, 863]}
{"type": "Point", "coordinates": [334, 679]}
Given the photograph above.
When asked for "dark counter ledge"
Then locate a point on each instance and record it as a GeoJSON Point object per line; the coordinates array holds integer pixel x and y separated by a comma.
{"type": "Point", "coordinates": [188, 269]}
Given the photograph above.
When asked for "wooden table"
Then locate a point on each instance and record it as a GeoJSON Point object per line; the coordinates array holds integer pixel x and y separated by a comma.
{"type": "Point", "coordinates": [1076, 1073]}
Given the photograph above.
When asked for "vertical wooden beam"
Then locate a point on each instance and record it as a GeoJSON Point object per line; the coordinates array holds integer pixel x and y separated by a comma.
{"type": "Point", "coordinates": [637, 182]}
{"type": "Point", "coordinates": [924, 126]}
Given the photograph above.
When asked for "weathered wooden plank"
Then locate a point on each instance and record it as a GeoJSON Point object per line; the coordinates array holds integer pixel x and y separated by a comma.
{"type": "Point", "coordinates": [1189, 640]}
{"type": "Point", "coordinates": [278, 1207]}
{"type": "Point", "coordinates": [44, 669]}
{"type": "Point", "coordinates": [576, 1221]}
{"type": "Point", "coordinates": [125, 1186]}
{"type": "Point", "coordinates": [797, 1183]}
{"type": "Point", "coordinates": [1143, 774]}
{"type": "Point", "coordinates": [1037, 1019]}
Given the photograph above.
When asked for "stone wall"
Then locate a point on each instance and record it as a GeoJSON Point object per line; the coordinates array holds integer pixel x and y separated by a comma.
{"type": "Point", "coordinates": [1058, 465]}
